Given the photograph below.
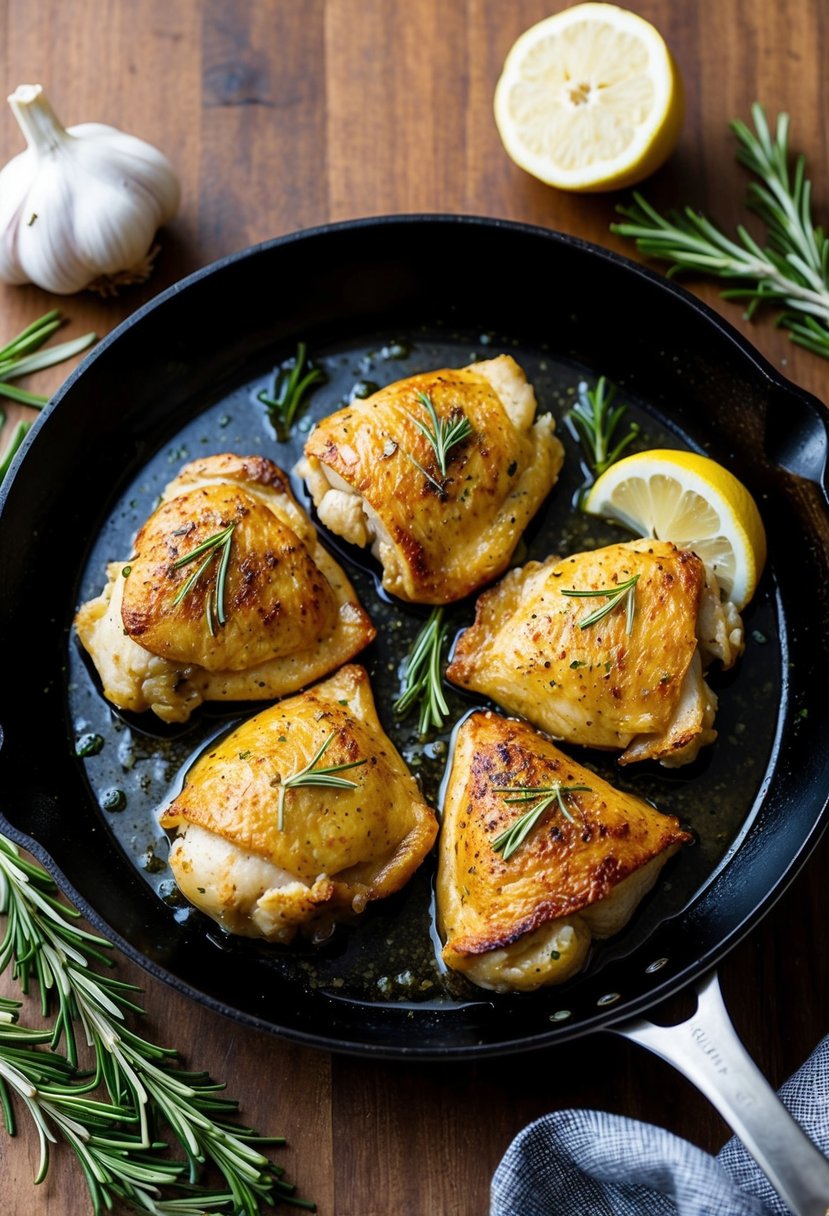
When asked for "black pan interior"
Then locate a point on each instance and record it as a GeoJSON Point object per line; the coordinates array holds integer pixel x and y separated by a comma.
{"type": "Point", "coordinates": [375, 301]}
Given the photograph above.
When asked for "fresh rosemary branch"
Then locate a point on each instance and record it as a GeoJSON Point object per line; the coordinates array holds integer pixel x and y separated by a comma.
{"type": "Point", "coordinates": [17, 359]}
{"type": "Point", "coordinates": [515, 835]}
{"type": "Point", "coordinates": [622, 591]}
{"type": "Point", "coordinates": [789, 270]}
{"type": "Point", "coordinates": [423, 677]}
{"type": "Point", "coordinates": [311, 775]}
{"type": "Point", "coordinates": [145, 1089]}
{"type": "Point", "coordinates": [445, 433]}
{"type": "Point", "coordinates": [116, 1163]}
{"type": "Point", "coordinates": [214, 605]}
{"type": "Point", "coordinates": [291, 382]}
{"type": "Point", "coordinates": [595, 423]}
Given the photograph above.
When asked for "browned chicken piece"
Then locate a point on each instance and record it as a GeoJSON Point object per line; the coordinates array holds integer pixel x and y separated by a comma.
{"type": "Point", "coordinates": [229, 596]}
{"type": "Point", "coordinates": [439, 533]}
{"type": "Point", "coordinates": [336, 848]}
{"type": "Point", "coordinates": [515, 919]}
{"type": "Point", "coordinates": [632, 680]}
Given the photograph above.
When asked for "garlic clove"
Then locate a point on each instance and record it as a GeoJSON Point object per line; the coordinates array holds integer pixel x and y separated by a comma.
{"type": "Point", "coordinates": [81, 206]}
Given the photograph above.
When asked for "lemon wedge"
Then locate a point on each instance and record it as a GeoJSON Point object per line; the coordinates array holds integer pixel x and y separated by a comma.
{"type": "Point", "coordinates": [590, 99]}
{"type": "Point", "coordinates": [694, 502]}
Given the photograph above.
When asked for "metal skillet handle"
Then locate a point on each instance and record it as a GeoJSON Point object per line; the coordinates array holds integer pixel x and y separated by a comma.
{"type": "Point", "coordinates": [705, 1048]}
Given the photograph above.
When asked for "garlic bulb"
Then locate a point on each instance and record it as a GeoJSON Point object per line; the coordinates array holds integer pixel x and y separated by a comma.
{"type": "Point", "coordinates": [80, 207]}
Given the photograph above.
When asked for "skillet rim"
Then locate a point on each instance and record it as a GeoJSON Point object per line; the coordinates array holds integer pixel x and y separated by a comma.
{"type": "Point", "coordinates": [669, 286]}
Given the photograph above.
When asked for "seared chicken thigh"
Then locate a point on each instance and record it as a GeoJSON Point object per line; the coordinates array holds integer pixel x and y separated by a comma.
{"type": "Point", "coordinates": [517, 918]}
{"type": "Point", "coordinates": [265, 852]}
{"type": "Point", "coordinates": [632, 679]}
{"type": "Point", "coordinates": [229, 596]}
{"type": "Point", "coordinates": [440, 529]}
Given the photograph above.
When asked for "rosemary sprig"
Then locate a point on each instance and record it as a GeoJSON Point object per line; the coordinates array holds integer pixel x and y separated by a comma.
{"type": "Point", "coordinates": [622, 591]}
{"type": "Point", "coordinates": [445, 433]}
{"type": "Point", "coordinates": [214, 606]}
{"type": "Point", "coordinates": [311, 775]}
{"type": "Point", "coordinates": [515, 835]}
{"type": "Point", "coordinates": [291, 381]}
{"type": "Point", "coordinates": [116, 1163]}
{"type": "Point", "coordinates": [423, 675]}
{"type": "Point", "coordinates": [790, 270]}
{"type": "Point", "coordinates": [439, 485]}
{"type": "Point", "coordinates": [594, 418]}
{"type": "Point", "coordinates": [18, 435]}
{"type": "Point", "coordinates": [145, 1089]}
{"type": "Point", "coordinates": [17, 359]}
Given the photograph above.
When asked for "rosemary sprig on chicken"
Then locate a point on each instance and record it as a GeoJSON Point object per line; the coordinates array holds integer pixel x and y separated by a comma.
{"type": "Point", "coordinates": [623, 591]}
{"type": "Point", "coordinates": [444, 433]}
{"type": "Point", "coordinates": [215, 546]}
{"type": "Point", "coordinates": [311, 776]}
{"type": "Point", "coordinates": [508, 841]}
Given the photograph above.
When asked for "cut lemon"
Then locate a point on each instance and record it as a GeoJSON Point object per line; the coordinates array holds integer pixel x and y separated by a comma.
{"type": "Point", "coordinates": [694, 502]}
{"type": "Point", "coordinates": [590, 99]}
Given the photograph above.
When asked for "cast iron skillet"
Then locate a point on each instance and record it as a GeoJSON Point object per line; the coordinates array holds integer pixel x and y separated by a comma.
{"type": "Point", "coordinates": [471, 286]}
{"type": "Point", "coordinates": [124, 412]}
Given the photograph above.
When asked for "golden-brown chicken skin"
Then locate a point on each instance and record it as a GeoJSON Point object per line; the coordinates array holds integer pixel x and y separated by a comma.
{"type": "Point", "coordinates": [518, 922]}
{"type": "Point", "coordinates": [439, 535]}
{"type": "Point", "coordinates": [259, 615]}
{"type": "Point", "coordinates": [337, 848]}
{"type": "Point", "coordinates": [600, 685]}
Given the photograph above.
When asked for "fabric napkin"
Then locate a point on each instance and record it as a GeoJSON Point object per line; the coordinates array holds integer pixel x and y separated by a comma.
{"type": "Point", "coordinates": [588, 1163]}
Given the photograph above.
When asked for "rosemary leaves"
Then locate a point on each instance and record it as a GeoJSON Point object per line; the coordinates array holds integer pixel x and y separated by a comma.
{"type": "Point", "coordinates": [595, 420]}
{"type": "Point", "coordinates": [507, 842]}
{"type": "Point", "coordinates": [790, 270]}
{"type": "Point", "coordinates": [10, 451]}
{"type": "Point", "coordinates": [615, 595]}
{"type": "Point", "coordinates": [17, 357]}
{"type": "Point", "coordinates": [311, 775]}
{"type": "Point", "coordinates": [291, 383]}
{"type": "Point", "coordinates": [423, 675]}
{"type": "Point", "coordinates": [114, 1137]}
{"type": "Point", "coordinates": [217, 545]}
{"type": "Point", "coordinates": [443, 435]}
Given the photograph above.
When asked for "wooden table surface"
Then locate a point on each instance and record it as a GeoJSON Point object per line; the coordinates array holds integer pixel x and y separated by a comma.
{"type": "Point", "coordinates": [281, 114]}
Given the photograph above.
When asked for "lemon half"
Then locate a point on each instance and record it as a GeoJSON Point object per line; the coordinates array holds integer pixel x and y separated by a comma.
{"type": "Point", "coordinates": [694, 502]}
{"type": "Point", "coordinates": [590, 99]}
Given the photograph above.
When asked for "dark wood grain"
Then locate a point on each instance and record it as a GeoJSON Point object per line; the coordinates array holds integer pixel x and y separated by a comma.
{"type": "Point", "coordinates": [282, 114]}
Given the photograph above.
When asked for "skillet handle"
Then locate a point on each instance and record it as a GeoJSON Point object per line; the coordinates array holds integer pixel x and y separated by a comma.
{"type": "Point", "coordinates": [706, 1050]}
{"type": "Point", "coordinates": [797, 436]}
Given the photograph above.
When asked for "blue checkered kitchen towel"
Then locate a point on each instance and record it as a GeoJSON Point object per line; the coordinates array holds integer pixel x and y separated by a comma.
{"type": "Point", "coordinates": [586, 1163]}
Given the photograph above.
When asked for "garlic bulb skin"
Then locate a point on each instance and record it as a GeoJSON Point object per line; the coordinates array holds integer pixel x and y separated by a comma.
{"type": "Point", "coordinates": [81, 205]}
